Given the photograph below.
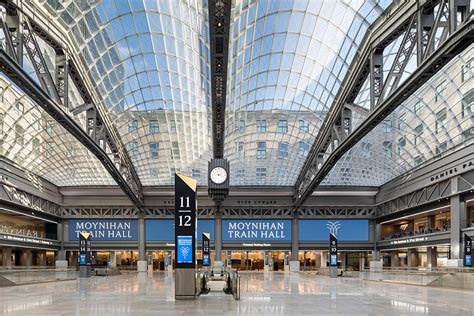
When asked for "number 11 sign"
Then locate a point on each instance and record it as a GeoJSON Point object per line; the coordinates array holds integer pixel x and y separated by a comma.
{"type": "Point", "coordinates": [185, 221]}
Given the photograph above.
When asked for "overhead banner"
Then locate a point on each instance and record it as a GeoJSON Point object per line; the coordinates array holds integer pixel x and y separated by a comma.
{"type": "Point", "coordinates": [206, 238]}
{"type": "Point", "coordinates": [467, 251]}
{"type": "Point", "coordinates": [332, 250]}
{"type": "Point", "coordinates": [185, 221]}
{"type": "Point", "coordinates": [163, 229]}
{"type": "Point", "coordinates": [105, 229]}
{"type": "Point", "coordinates": [346, 229]}
{"type": "Point", "coordinates": [84, 249]}
{"type": "Point", "coordinates": [256, 230]}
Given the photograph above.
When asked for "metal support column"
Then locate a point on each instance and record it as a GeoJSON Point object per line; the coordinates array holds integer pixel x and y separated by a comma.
{"type": "Point", "coordinates": [294, 262]}
{"type": "Point", "coordinates": [141, 264]}
{"type": "Point", "coordinates": [218, 235]}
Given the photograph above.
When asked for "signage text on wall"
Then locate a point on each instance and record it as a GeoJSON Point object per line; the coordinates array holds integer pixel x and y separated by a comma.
{"type": "Point", "coordinates": [256, 229]}
{"type": "Point", "coordinates": [105, 229]}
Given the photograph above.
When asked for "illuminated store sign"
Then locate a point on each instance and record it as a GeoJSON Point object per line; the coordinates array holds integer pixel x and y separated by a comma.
{"type": "Point", "coordinates": [4, 237]}
{"type": "Point", "coordinates": [261, 230]}
{"type": "Point", "coordinates": [104, 229]}
{"type": "Point", "coordinates": [345, 229]}
{"type": "Point", "coordinates": [409, 240]}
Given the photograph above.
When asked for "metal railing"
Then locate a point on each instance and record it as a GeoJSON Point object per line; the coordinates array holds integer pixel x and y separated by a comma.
{"type": "Point", "coordinates": [27, 275]}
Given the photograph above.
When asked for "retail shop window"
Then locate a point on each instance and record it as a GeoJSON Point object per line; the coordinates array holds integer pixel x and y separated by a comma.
{"type": "Point", "coordinates": [239, 150]}
{"type": "Point", "coordinates": [387, 126]}
{"type": "Point", "coordinates": [261, 150]}
{"type": "Point", "coordinates": [366, 149]}
{"type": "Point", "coordinates": [387, 149]}
{"type": "Point", "coordinates": [441, 120]}
{"type": "Point", "coordinates": [283, 126]}
{"type": "Point", "coordinates": [282, 150]}
{"type": "Point", "coordinates": [304, 126]}
{"type": "Point", "coordinates": [175, 149]}
{"type": "Point", "coordinates": [468, 104]}
{"type": "Point", "coordinates": [417, 108]}
{"type": "Point", "coordinates": [261, 175]}
{"type": "Point", "coordinates": [154, 150]}
{"type": "Point", "coordinates": [261, 126]}
{"type": "Point", "coordinates": [154, 127]}
{"type": "Point", "coordinates": [418, 134]}
{"type": "Point", "coordinates": [132, 126]}
{"type": "Point", "coordinates": [402, 120]}
{"type": "Point", "coordinates": [468, 70]}
{"type": "Point", "coordinates": [241, 126]}
{"type": "Point", "coordinates": [133, 149]}
{"type": "Point", "coordinates": [441, 91]}
{"type": "Point", "coordinates": [303, 148]}
{"type": "Point", "coordinates": [441, 147]}
{"type": "Point", "coordinates": [19, 135]}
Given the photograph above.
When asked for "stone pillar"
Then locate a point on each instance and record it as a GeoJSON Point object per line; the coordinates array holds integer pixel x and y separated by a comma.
{"type": "Point", "coordinates": [412, 258]}
{"type": "Point", "coordinates": [343, 260]}
{"type": "Point", "coordinates": [141, 263]}
{"type": "Point", "coordinates": [61, 262]}
{"type": "Point", "coordinates": [7, 258]}
{"type": "Point", "coordinates": [218, 236]}
{"type": "Point", "coordinates": [28, 258]}
{"type": "Point", "coordinates": [113, 259]}
{"type": "Point", "coordinates": [361, 262]}
{"type": "Point", "coordinates": [375, 234]}
{"type": "Point", "coordinates": [458, 222]}
{"type": "Point", "coordinates": [395, 260]}
{"type": "Point", "coordinates": [432, 257]}
{"type": "Point", "coordinates": [294, 261]}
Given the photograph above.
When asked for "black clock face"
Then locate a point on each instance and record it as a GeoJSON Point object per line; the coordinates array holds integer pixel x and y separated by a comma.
{"type": "Point", "coordinates": [218, 175]}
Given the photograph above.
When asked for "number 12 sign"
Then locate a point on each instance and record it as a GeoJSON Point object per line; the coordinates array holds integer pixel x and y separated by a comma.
{"type": "Point", "coordinates": [185, 221]}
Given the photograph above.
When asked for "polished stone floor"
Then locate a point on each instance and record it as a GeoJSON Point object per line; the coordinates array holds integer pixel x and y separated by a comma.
{"type": "Point", "coordinates": [261, 294]}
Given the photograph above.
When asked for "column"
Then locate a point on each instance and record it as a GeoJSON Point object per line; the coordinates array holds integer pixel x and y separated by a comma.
{"type": "Point", "coordinates": [394, 259]}
{"type": "Point", "coordinates": [432, 257]}
{"type": "Point", "coordinates": [458, 222]}
{"type": "Point", "coordinates": [343, 260]}
{"type": "Point", "coordinates": [28, 258]}
{"type": "Point", "coordinates": [61, 262]}
{"type": "Point", "coordinates": [113, 259]}
{"type": "Point", "coordinates": [141, 263]}
{"type": "Point", "coordinates": [361, 262]}
{"type": "Point", "coordinates": [294, 261]}
{"type": "Point", "coordinates": [431, 221]}
{"type": "Point", "coordinates": [7, 257]}
{"type": "Point", "coordinates": [376, 263]}
{"type": "Point", "coordinates": [218, 237]}
{"type": "Point", "coordinates": [412, 258]}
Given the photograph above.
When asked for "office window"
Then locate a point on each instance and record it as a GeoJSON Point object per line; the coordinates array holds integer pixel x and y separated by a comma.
{"type": "Point", "coordinates": [468, 104]}
{"type": "Point", "coordinates": [19, 134]}
{"type": "Point", "coordinates": [175, 149]}
{"type": "Point", "coordinates": [282, 126]}
{"type": "Point", "coordinates": [133, 149]}
{"type": "Point", "coordinates": [261, 126]}
{"type": "Point", "coordinates": [417, 108]}
{"type": "Point", "coordinates": [468, 70]}
{"type": "Point", "coordinates": [366, 149]}
{"type": "Point", "coordinates": [154, 147]}
{"type": "Point", "coordinates": [402, 120]}
{"type": "Point", "coordinates": [261, 175]}
{"type": "Point", "coordinates": [261, 150]}
{"type": "Point", "coordinates": [154, 127]}
{"type": "Point", "coordinates": [418, 133]}
{"type": "Point", "coordinates": [387, 149]}
{"type": "Point", "coordinates": [401, 145]}
{"type": "Point", "coordinates": [304, 126]}
{"type": "Point", "coordinates": [241, 126]}
{"type": "Point", "coordinates": [441, 147]}
{"type": "Point", "coordinates": [132, 126]}
{"type": "Point", "coordinates": [20, 107]}
{"type": "Point", "coordinates": [303, 148]}
{"type": "Point", "coordinates": [282, 150]}
{"type": "Point", "coordinates": [240, 176]}
{"type": "Point", "coordinates": [239, 150]}
{"type": "Point", "coordinates": [196, 174]}
{"type": "Point", "coordinates": [440, 90]}
{"type": "Point", "coordinates": [172, 126]}
{"type": "Point", "coordinates": [387, 126]}
{"type": "Point", "coordinates": [441, 120]}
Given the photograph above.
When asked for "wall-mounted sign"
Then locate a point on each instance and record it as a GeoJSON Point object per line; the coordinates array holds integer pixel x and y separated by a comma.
{"type": "Point", "coordinates": [206, 240]}
{"type": "Point", "coordinates": [467, 251]}
{"type": "Point", "coordinates": [105, 229]}
{"type": "Point", "coordinates": [453, 171]}
{"type": "Point", "coordinates": [14, 238]}
{"type": "Point", "coordinates": [163, 229]}
{"type": "Point", "coordinates": [256, 244]}
{"type": "Point", "coordinates": [409, 240]}
{"type": "Point", "coordinates": [345, 229]}
{"type": "Point", "coordinates": [84, 249]}
{"type": "Point", "coordinates": [256, 229]}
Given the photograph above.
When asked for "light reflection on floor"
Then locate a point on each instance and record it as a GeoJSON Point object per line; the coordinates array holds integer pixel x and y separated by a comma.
{"type": "Point", "coordinates": [261, 294]}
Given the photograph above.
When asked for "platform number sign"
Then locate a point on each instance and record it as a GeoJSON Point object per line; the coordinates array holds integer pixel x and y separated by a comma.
{"type": "Point", "coordinates": [185, 221]}
{"type": "Point", "coordinates": [84, 249]}
{"type": "Point", "coordinates": [332, 250]}
{"type": "Point", "coordinates": [206, 239]}
{"type": "Point", "coordinates": [467, 251]}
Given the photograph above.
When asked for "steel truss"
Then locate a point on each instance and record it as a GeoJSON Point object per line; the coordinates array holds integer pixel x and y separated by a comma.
{"type": "Point", "coordinates": [100, 137]}
{"type": "Point", "coordinates": [417, 25]}
{"type": "Point", "coordinates": [219, 26]}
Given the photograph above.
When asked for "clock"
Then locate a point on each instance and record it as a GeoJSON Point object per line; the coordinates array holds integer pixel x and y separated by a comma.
{"type": "Point", "coordinates": [218, 175]}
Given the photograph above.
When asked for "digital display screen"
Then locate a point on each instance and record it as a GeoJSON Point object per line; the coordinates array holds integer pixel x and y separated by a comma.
{"type": "Point", "coordinates": [184, 249]}
{"type": "Point", "coordinates": [333, 260]}
{"type": "Point", "coordinates": [205, 260]}
{"type": "Point", "coordinates": [82, 259]}
{"type": "Point", "coordinates": [468, 260]}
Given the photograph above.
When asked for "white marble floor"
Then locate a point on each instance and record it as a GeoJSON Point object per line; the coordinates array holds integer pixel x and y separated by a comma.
{"type": "Point", "coordinates": [261, 294]}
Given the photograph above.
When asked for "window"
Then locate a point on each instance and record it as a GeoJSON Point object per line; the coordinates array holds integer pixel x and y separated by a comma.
{"type": "Point", "coordinates": [469, 133]}
{"type": "Point", "coordinates": [49, 126]}
{"type": "Point", "coordinates": [71, 151]}
{"type": "Point", "coordinates": [154, 147]}
{"type": "Point", "coordinates": [261, 150]}
{"type": "Point", "coordinates": [303, 148]}
{"type": "Point", "coordinates": [196, 173]}
{"type": "Point", "coordinates": [154, 173]}
{"type": "Point", "coordinates": [417, 108]}
{"type": "Point", "coordinates": [468, 104]}
{"type": "Point", "coordinates": [387, 149]}
{"type": "Point", "coordinates": [282, 150]}
{"type": "Point", "coordinates": [304, 126]}
{"type": "Point", "coordinates": [20, 107]}
{"type": "Point", "coordinates": [441, 120]}
{"type": "Point", "coordinates": [175, 149]}
{"type": "Point", "coordinates": [49, 149]}
{"type": "Point", "coordinates": [19, 134]}
{"type": "Point", "coordinates": [241, 126]}
{"type": "Point", "coordinates": [468, 70]}
{"type": "Point", "coordinates": [2, 118]}
{"type": "Point", "coordinates": [261, 126]}
{"type": "Point", "coordinates": [402, 120]}
{"type": "Point", "coordinates": [172, 126]}
{"type": "Point", "coordinates": [133, 149]}
{"type": "Point", "coordinates": [154, 127]}
{"type": "Point", "coordinates": [440, 91]}
{"type": "Point", "coordinates": [261, 175]}
{"type": "Point", "coordinates": [418, 133]}
{"type": "Point", "coordinates": [283, 126]}
{"type": "Point", "coordinates": [241, 176]}
{"type": "Point", "coordinates": [418, 160]}
{"type": "Point", "coordinates": [401, 145]}
{"type": "Point", "coordinates": [36, 146]}
{"type": "Point", "coordinates": [239, 150]}
{"type": "Point", "coordinates": [366, 149]}
{"type": "Point", "coordinates": [132, 126]}
{"type": "Point", "coordinates": [441, 147]}
{"type": "Point", "coordinates": [387, 126]}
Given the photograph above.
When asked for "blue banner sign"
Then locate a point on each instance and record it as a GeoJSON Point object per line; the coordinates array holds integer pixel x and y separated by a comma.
{"type": "Point", "coordinates": [344, 229]}
{"type": "Point", "coordinates": [163, 229]}
{"type": "Point", "coordinates": [104, 229]}
{"type": "Point", "coordinates": [256, 230]}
